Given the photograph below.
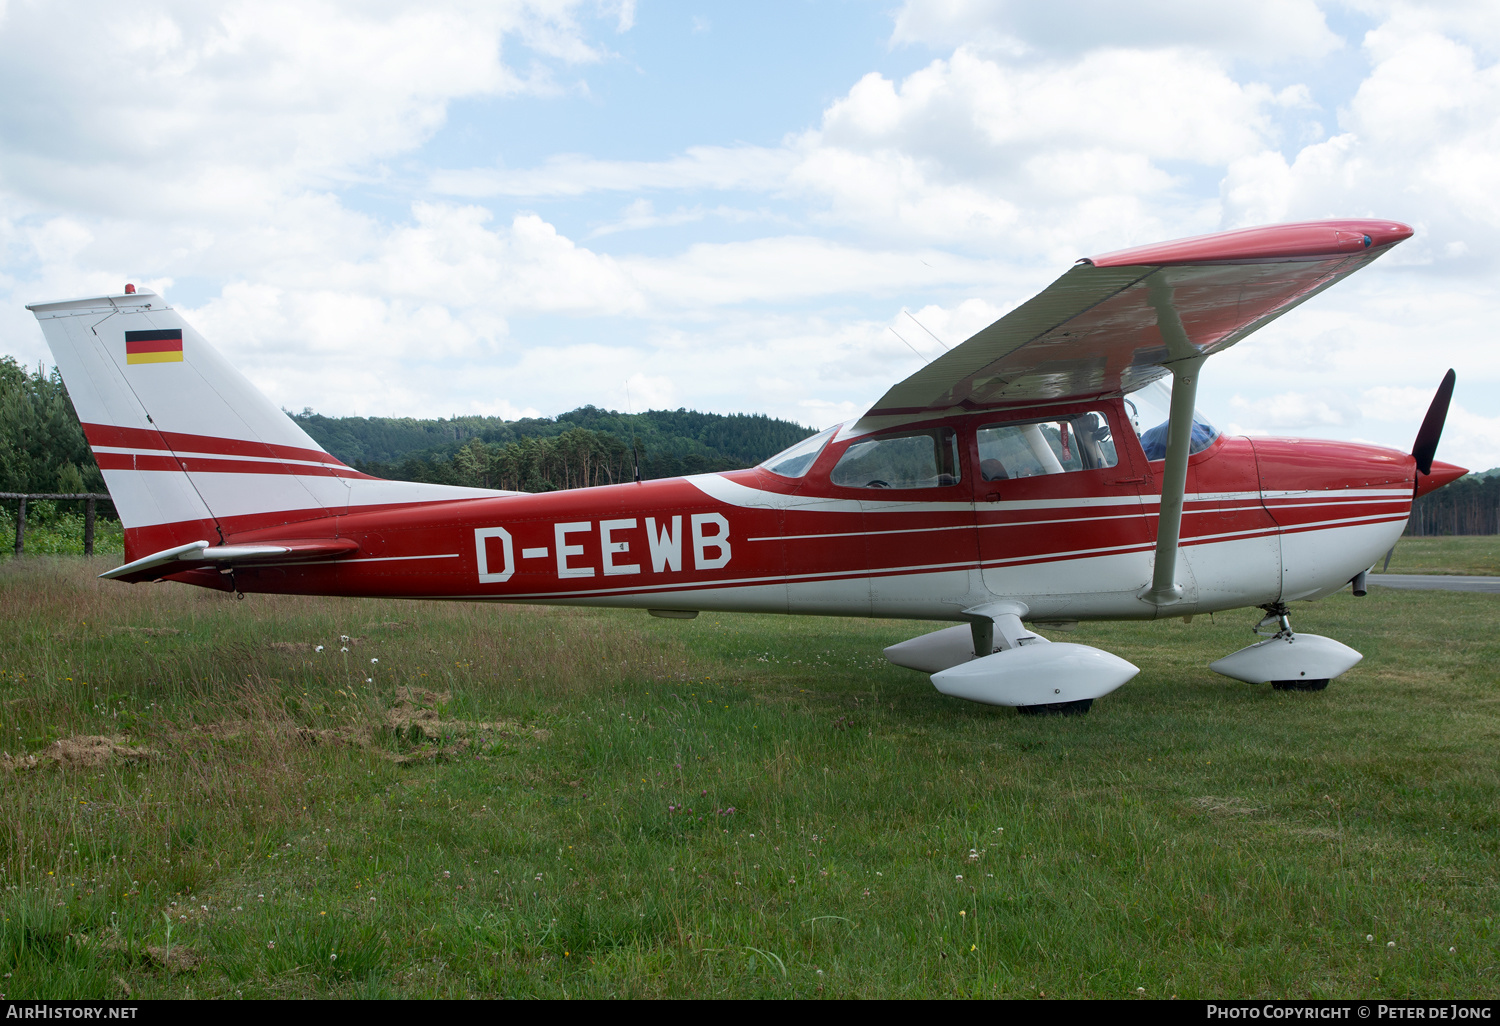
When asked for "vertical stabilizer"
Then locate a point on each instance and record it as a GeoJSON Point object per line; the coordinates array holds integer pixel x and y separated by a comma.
{"type": "Point", "coordinates": [189, 448]}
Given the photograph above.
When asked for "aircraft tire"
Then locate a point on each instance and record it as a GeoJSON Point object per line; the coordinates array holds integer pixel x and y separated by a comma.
{"type": "Point", "coordinates": [1300, 685]}
{"type": "Point", "coordinates": [1056, 708]}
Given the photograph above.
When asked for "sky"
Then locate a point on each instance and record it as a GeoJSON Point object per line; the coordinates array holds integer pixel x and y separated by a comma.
{"type": "Point", "coordinates": [518, 207]}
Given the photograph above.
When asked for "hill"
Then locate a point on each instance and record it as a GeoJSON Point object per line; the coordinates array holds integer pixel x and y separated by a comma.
{"type": "Point", "coordinates": [586, 446]}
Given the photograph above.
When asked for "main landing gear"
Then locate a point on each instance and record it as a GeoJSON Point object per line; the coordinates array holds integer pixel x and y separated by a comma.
{"type": "Point", "coordinates": [1057, 708]}
{"type": "Point", "coordinates": [1289, 661]}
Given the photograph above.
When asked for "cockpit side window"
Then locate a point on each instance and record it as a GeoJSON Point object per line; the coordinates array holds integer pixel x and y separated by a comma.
{"type": "Point", "coordinates": [1032, 448]}
{"type": "Point", "coordinates": [917, 459]}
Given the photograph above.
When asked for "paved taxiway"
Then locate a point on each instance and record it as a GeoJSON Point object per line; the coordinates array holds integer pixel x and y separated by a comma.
{"type": "Point", "coordinates": [1436, 582]}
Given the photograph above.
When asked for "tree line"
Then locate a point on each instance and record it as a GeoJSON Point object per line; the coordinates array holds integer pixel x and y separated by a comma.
{"type": "Point", "coordinates": [742, 439]}
{"type": "Point", "coordinates": [577, 458]}
{"type": "Point", "coordinates": [1470, 505]}
{"type": "Point", "coordinates": [43, 449]}
{"type": "Point", "coordinates": [585, 447]}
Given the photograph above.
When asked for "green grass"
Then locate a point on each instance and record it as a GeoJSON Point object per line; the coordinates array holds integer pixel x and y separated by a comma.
{"type": "Point", "coordinates": [560, 824]}
{"type": "Point", "coordinates": [1464, 554]}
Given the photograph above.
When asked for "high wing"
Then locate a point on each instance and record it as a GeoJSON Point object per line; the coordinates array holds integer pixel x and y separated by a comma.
{"type": "Point", "coordinates": [1115, 322]}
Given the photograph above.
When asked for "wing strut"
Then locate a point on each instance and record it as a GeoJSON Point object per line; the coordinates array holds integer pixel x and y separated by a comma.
{"type": "Point", "coordinates": [1164, 587]}
{"type": "Point", "coordinates": [1186, 363]}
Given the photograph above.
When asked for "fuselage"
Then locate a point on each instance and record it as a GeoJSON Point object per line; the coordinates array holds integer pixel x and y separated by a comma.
{"type": "Point", "coordinates": [1071, 535]}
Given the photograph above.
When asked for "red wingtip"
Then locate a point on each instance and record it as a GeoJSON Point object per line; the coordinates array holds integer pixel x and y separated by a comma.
{"type": "Point", "coordinates": [1304, 240]}
{"type": "Point", "coordinates": [1442, 473]}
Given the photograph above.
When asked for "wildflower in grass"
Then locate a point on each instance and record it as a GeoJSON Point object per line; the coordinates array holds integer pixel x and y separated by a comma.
{"type": "Point", "coordinates": [1369, 936]}
{"type": "Point", "coordinates": [271, 945]}
{"type": "Point", "coordinates": [1140, 990]}
{"type": "Point", "coordinates": [318, 649]}
{"type": "Point", "coordinates": [1390, 944]}
{"type": "Point", "coordinates": [333, 956]}
{"type": "Point", "coordinates": [960, 876]}
{"type": "Point", "coordinates": [374, 660]}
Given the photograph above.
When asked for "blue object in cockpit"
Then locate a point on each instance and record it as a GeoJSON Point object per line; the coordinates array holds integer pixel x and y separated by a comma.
{"type": "Point", "coordinates": [1154, 441]}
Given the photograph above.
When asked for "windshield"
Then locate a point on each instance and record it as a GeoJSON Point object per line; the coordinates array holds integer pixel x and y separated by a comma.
{"type": "Point", "coordinates": [1149, 407]}
{"type": "Point", "coordinates": [798, 460]}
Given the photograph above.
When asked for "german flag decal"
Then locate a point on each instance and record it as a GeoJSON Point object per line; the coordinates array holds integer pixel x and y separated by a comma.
{"type": "Point", "coordinates": [154, 346]}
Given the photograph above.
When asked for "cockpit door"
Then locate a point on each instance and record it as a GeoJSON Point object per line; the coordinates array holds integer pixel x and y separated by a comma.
{"type": "Point", "coordinates": [1062, 509]}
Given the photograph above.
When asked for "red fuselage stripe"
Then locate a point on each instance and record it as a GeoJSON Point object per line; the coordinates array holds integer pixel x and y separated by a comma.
{"type": "Point", "coordinates": [112, 437]}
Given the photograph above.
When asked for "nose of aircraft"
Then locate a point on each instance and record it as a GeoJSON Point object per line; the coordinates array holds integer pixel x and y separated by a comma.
{"type": "Point", "coordinates": [1441, 474]}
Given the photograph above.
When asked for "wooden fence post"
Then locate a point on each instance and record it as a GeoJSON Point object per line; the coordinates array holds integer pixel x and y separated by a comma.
{"type": "Point", "coordinates": [21, 526]}
{"type": "Point", "coordinates": [88, 528]}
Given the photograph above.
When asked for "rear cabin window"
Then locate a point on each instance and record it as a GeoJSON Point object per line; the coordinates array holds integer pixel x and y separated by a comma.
{"type": "Point", "coordinates": [1037, 447]}
{"type": "Point", "coordinates": [920, 459]}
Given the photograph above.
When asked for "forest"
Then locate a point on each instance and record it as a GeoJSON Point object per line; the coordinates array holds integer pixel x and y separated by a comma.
{"type": "Point", "coordinates": [585, 447]}
{"type": "Point", "coordinates": [1467, 506]}
{"type": "Point", "coordinates": [42, 449]}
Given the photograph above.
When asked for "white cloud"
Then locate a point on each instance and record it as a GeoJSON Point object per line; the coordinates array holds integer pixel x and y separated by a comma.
{"type": "Point", "coordinates": [1296, 410]}
{"type": "Point", "coordinates": [233, 148]}
{"type": "Point", "coordinates": [188, 109]}
{"type": "Point", "coordinates": [700, 167]}
{"type": "Point", "coordinates": [1419, 141]}
{"type": "Point", "coordinates": [1261, 30]}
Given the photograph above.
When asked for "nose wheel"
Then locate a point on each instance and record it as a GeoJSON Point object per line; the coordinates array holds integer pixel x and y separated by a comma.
{"type": "Point", "coordinates": [1287, 660]}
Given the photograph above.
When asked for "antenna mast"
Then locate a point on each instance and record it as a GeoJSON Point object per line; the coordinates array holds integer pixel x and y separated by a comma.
{"type": "Point", "coordinates": [635, 456]}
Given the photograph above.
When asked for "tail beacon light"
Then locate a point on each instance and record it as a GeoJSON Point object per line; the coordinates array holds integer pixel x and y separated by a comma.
{"type": "Point", "coordinates": [1037, 675]}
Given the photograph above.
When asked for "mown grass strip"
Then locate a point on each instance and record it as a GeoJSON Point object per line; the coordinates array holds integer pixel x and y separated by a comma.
{"type": "Point", "coordinates": [598, 803]}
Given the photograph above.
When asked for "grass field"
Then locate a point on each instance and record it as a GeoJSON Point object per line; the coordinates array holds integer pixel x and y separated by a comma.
{"type": "Point", "coordinates": [1465, 554]}
{"type": "Point", "coordinates": [589, 803]}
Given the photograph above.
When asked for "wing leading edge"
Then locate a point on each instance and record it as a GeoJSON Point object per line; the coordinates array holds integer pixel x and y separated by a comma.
{"type": "Point", "coordinates": [1113, 323]}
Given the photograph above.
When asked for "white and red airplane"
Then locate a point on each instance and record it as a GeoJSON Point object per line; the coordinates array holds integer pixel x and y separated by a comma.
{"type": "Point", "coordinates": [1043, 472]}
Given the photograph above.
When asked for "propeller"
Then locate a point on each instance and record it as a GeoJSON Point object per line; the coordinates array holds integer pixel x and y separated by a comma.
{"type": "Point", "coordinates": [1425, 447]}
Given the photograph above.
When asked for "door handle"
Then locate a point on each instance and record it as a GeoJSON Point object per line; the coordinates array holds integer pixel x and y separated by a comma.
{"type": "Point", "coordinates": [1125, 480]}
{"type": "Point", "coordinates": [991, 496]}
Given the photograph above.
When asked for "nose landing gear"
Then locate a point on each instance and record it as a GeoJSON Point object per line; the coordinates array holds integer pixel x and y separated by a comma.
{"type": "Point", "coordinates": [1289, 661]}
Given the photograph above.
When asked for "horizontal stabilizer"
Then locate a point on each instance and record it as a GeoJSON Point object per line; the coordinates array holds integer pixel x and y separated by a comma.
{"type": "Point", "coordinates": [201, 553]}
